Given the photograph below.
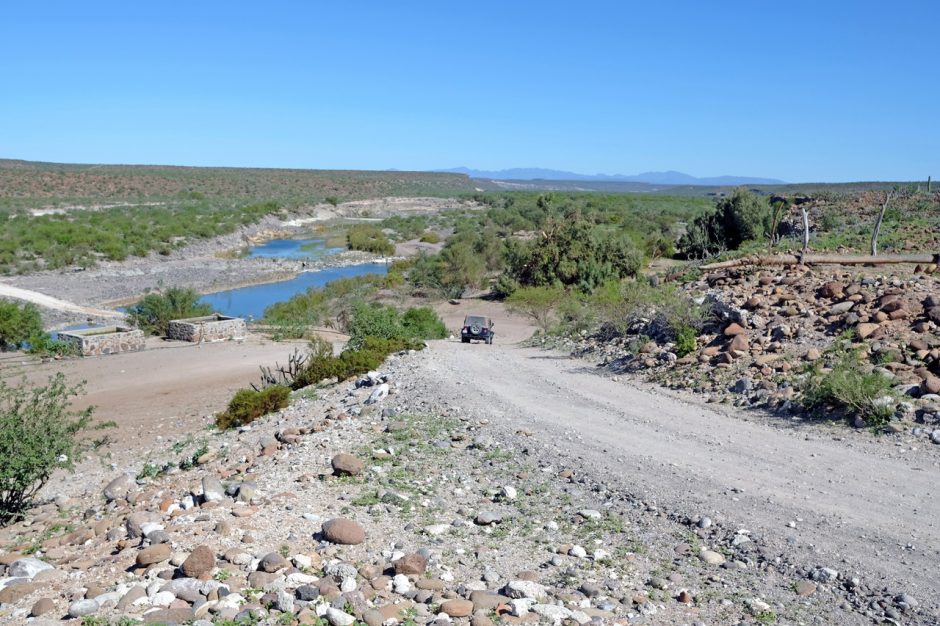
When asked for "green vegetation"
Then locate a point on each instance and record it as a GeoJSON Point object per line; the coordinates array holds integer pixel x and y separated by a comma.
{"type": "Point", "coordinates": [741, 217]}
{"type": "Point", "coordinates": [154, 313]}
{"type": "Point", "coordinates": [84, 237]}
{"type": "Point", "coordinates": [848, 387]}
{"type": "Point", "coordinates": [429, 236]}
{"type": "Point", "coordinates": [385, 322]}
{"type": "Point", "coordinates": [369, 238]}
{"type": "Point", "coordinates": [20, 324]}
{"type": "Point", "coordinates": [249, 404]}
{"type": "Point", "coordinates": [38, 435]}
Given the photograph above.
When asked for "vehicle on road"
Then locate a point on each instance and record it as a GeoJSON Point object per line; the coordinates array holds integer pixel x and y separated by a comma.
{"type": "Point", "coordinates": [477, 327]}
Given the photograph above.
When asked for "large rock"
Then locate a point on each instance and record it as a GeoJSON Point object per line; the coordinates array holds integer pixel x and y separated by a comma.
{"type": "Point", "coordinates": [153, 554]}
{"type": "Point", "coordinates": [28, 567]}
{"type": "Point", "coordinates": [118, 488]}
{"type": "Point", "coordinates": [347, 465]}
{"type": "Point", "coordinates": [273, 562]}
{"type": "Point", "coordinates": [343, 531]}
{"type": "Point", "coordinates": [524, 589]}
{"type": "Point", "coordinates": [136, 521]}
{"type": "Point", "coordinates": [866, 329]}
{"type": "Point", "coordinates": [412, 564]}
{"type": "Point", "coordinates": [457, 608]}
{"type": "Point", "coordinates": [212, 489]}
{"type": "Point", "coordinates": [199, 562]}
{"type": "Point", "coordinates": [380, 393]}
{"type": "Point", "coordinates": [81, 608]}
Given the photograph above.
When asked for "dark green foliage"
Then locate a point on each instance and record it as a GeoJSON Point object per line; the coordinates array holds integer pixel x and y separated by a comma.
{"type": "Point", "coordinates": [38, 435]}
{"type": "Point", "coordinates": [573, 252]}
{"type": "Point", "coordinates": [249, 404]}
{"type": "Point", "coordinates": [422, 323]}
{"type": "Point", "coordinates": [370, 355]}
{"type": "Point", "coordinates": [369, 238]}
{"type": "Point", "coordinates": [661, 312]}
{"type": "Point", "coordinates": [19, 324]}
{"type": "Point", "coordinates": [154, 313]}
{"type": "Point", "coordinates": [741, 217]}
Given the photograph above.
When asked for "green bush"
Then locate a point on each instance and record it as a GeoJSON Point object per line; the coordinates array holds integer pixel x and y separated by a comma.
{"type": "Point", "coordinates": [351, 362]}
{"type": "Point", "coordinates": [686, 340]}
{"type": "Point", "coordinates": [536, 303]}
{"type": "Point", "coordinates": [430, 236]}
{"type": "Point", "coordinates": [154, 313]}
{"type": "Point", "coordinates": [847, 386]}
{"type": "Point", "coordinates": [378, 321]}
{"type": "Point", "coordinates": [662, 312]}
{"type": "Point", "coordinates": [19, 324]}
{"type": "Point", "coordinates": [741, 217]}
{"type": "Point", "coordinates": [423, 323]}
{"type": "Point", "coordinates": [247, 405]}
{"type": "Point", "coordinates": [369, 238]}
{"type": "Point", "coordinates": [38, 435]}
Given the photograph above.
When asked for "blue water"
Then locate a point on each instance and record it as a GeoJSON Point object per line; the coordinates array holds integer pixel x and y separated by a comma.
{"type": "Point", "coordinates": [252, 301]}
{"type": "Point", "coordinates": [293, 249]}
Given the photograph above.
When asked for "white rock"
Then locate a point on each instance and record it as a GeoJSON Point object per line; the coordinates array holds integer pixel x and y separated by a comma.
{"type": "Point", "coordinates": [578, 552]}
{"type": "Point", "coordinates": [590, 514]}
{"type": "Point", "coordinates": [401, 584]}
{"type": "Point", "coordinates": [551, 611]}
{"type": "Point", "coordinates": [162, 599]}
{"type": "Point", "coordinates": [437, 529]}
{"type": "Point", "coordinates": [348, 585]}
{"type": "Point", "coordinates": [298, 578]}
{"type": "Point", "coordinates": [302, 561]}
{"type": "Point", "coordinates": [520, 606]}
{"type": "Point", "coordinates": [525, 589]}
{"type": "Point", "coordinates": [148, 528]}
{"type": "Point", "coordinates": [509, 492]}
{"type": "Point", "coordinates": [28, 567]}
{"type": "Point", "coordinates": [380, 393]}
{"type": "Point", "coordinates": [339, 618]}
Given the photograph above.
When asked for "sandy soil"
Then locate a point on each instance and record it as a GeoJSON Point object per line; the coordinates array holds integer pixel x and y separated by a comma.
{"type": "Point", "coordinates": [170, 389]}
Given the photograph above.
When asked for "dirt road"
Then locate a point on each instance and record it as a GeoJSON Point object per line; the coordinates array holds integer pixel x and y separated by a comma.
{"type": "Point", "coordinates": [864, 508]}
{"type": "Point", "coordinates": [49, 302]}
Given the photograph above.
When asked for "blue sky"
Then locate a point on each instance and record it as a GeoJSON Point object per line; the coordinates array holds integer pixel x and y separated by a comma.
{"type": "Point", "coordinates": [796, 90]}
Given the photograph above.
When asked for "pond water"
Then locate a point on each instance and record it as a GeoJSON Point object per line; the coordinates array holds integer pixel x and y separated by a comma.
{"type": "Point", "coordinates": [252, 301]}
{"type": "Point", "coordinates": [293, 249]}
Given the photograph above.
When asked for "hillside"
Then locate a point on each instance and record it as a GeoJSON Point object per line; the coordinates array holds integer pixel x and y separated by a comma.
{"type": "Point", "coordinates": [26, 184]}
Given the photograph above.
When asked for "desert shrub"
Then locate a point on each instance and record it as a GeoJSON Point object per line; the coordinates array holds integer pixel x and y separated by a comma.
{"type": "Point", "coordinates": [662, 312]}
{"type": "Point", "coordinates": [38, 435]}
{"type": "Point", "coordinates": [743, 216]}
{"type": "Point", "coordinates": [536, 303]}
{"type": "Point", "coordinates": [19, 324]}
{"type": "Point", "coordinates": [154, 313]}
{"type": "Point", "coordinates": [573, 252]}
{"type": "Point", "coordinates": [351, 362]}
{"type": "Point", "coordinates": [848, 387]}
{"type": "Point", "coordinates": [686, 340]}
{"type": "Point", "coordinates": [369, 238]}
{"type": "Point", "coordinates": [247, 405]}
{"type": "Point", "coordinates": [423, 323]}
{"type": "Point", "coordinates": [378, 321]}
{"type": "Point", "coordinates": [429, 236]}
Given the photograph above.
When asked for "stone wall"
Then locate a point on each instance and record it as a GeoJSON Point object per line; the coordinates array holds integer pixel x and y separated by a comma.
{"type": "Point", "coordinates": [104, 341]}
{"type": "Point", "coordinates": [210, 328]}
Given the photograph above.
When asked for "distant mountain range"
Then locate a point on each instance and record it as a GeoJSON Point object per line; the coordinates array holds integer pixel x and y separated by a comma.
{"type": "Point", "coordinates": [654, 178]}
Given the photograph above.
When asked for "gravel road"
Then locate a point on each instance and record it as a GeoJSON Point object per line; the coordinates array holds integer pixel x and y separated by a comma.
{"type": "Point", "coordinates": [863, 507]}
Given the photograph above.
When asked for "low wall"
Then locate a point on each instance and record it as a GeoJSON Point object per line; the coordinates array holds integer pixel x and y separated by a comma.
{"type": "Point", "coordinates": [209, 328]}
{"type": "Point", "coordinates": [104, 341]}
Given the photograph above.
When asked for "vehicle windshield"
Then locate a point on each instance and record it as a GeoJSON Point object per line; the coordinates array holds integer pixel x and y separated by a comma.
{"type": "Point", "coordinates": [474, 320]}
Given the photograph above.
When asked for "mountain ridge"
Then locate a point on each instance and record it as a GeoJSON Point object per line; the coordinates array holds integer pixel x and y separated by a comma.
{"type": "Point", "coordinates": [669, 177]}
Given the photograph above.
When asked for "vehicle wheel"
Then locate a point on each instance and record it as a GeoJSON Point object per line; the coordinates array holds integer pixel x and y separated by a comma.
{"type": "Point", "coordinates": [489, 341]}
{"type": "Point", "coordinates": [464, 340]}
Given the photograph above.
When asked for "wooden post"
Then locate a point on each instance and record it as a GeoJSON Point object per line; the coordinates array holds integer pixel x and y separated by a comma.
{"type": "Point", "coordinates": [805, 229]}
{"type": "Point", "coordinates": [877, 229]}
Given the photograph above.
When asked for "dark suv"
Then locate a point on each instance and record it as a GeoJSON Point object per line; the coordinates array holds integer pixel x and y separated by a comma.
{"type": "Point", "coordinates": [477, 327]}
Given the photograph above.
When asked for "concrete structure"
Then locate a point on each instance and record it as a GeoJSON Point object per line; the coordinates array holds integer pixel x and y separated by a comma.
{"type": "Point", "coordinates": [105, 340]}
{"type": "Point", "coordinates": [209, 328]}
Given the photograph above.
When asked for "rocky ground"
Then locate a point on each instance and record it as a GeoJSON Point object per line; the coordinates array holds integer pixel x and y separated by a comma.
{"type": "Point", "coordinates": [773, 325]}
{"type": "Point", "coordinates": [408, 497]}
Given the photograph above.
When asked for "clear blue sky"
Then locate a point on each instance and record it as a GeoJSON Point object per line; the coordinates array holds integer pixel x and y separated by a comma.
{"type": "Point", "coordinates": [796, 90]}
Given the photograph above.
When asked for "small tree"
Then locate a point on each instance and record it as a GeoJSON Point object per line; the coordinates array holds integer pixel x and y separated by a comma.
{"type": "Point", "coordinates": [154, 312]}
{"type": "Point", "coordinates": [536, 303]}
{"type": "Point", "coordinates": [876, 231]}
{"type": "Point", "coordinates": [38, 435]}
{"type": "Point", "coordinates": [19, 324]}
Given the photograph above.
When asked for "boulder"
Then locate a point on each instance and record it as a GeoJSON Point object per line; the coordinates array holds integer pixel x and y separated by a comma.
{"type": "Point", "coordinates": [28, 567]}
{"type": "Point", "coordinates": [347, 465]}
{"type": "Point", "coordinates": [153, 554]}
{"type": "Point", "coordinates": [119, 487]}
{"type": "Point", "coordinates": [199, 562]}
{"type": "Point", "coordinates": [343, 531]}
{"type": "Point", "coordinates": [412, 564]}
